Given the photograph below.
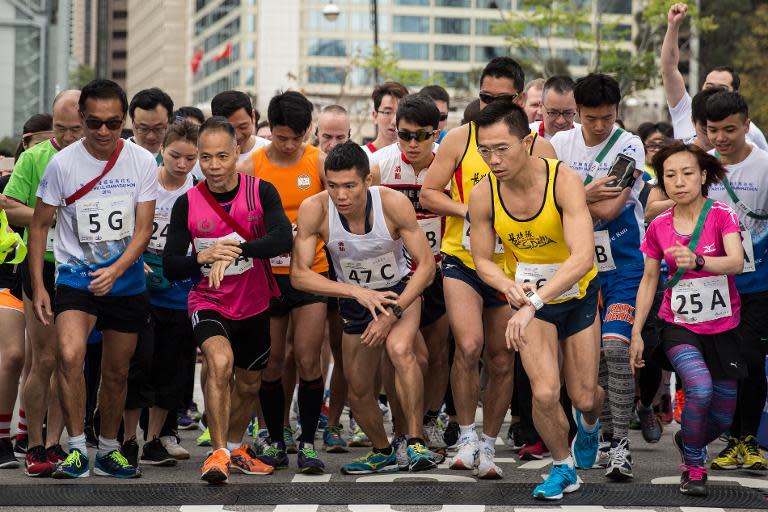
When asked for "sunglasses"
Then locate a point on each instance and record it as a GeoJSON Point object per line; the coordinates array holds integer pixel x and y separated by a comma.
{"type": "Point", "coordinates": [443, 116]}
{"type": "Point", "coordinates": [419, 136]}
{"type": "Point", "coordinates": [489, 98]}
{"type": "Point", "coordinates": [96, 124]}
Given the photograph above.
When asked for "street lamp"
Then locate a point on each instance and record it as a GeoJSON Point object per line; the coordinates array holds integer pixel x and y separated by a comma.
{"type": "Point", "coordinates": [331, 13]}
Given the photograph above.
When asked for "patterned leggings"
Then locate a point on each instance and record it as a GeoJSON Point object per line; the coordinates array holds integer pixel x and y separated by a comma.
{"type": "Point", "coordinates": [709, 404]}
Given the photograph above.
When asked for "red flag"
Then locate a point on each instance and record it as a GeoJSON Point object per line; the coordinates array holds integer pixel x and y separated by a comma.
{"type": "Point", "coordinates": [196, 59]}
{"type": "Point", "coordinates": [225, 53]}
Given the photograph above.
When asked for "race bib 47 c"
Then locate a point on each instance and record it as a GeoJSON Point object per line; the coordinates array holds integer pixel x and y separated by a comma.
{"type": "Point", "coordinates": [373, 273]}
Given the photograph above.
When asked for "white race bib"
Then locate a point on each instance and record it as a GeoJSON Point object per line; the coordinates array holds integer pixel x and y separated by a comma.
{"type": "Point", "coordinates": [105, 219]}
{"type": "Point", "coordinates": [239, 266]}
{"type": "Point", "coordinates": [50, 241]}
{"type": "Point", "coordinates": [160, 230]}
{"type": "Point", "coordinates": [374, 273]}
{"type": "Point", "coordinates": [540, 274]}
{"type": "Point", "coordinates": [603, 255]}
{"type": "Point", "coordinates": [700, 300]}
{"type": "Point", "coordinates": [749, 252]}
{"type": "Point", "coordinates": [432, 227]}
{"type": "Point", "coordinates": [499, 249]}
{"type": "Point", "coordinates": [284, 260]}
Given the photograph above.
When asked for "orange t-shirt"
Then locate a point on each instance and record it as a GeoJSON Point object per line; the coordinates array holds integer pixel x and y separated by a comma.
{"type": "Point", "coordinates": [294, 184]}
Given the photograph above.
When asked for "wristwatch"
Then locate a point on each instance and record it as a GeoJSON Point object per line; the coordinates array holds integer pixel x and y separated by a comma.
{"type": "Point", "coordinates": [535, 299]}
{"type": "Point", "coordinates": [396, 310]}
{"type": "Point", "coordinates": [699, 263]}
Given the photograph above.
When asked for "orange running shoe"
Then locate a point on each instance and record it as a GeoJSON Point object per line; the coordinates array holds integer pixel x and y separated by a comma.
{"type": "Point", "coordinates": [216, 467]}
{"type": "Point", "coordinates": [679, 404]}
{"type": "Point", "coordinates": [245, 461]}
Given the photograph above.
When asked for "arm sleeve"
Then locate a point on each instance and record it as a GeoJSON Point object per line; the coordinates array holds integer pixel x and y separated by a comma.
{"type": "Point", "coordinates": [176, 263]}
{"type": "Point", "coordinates": [279, 236]}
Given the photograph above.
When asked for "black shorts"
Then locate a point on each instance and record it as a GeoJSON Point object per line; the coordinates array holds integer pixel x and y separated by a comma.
{"type": "Point", "coordinates": [572, 316]}
{"type": "Point", "coordinates": [753, 327]}
{"type": "Point", "coordinates": [453, 268]}
{"type": "Point", "coordinates": [433, 305]}
{"type": "Point", "coordinates": [129, 313]}
{"type": "Point", "coordinates": [291, 298]}
{"type": "Point", "coordinates": [355, 318]}
{"type": "Point", "coordinates": [49, 278]}
{"type": "Point", "coordinates": [249, 337]}
{"type": "Point", "coordinates": [721, 352]}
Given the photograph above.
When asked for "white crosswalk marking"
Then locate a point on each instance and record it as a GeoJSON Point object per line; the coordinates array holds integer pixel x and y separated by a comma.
{"type": "Point", "coordinates": [299, 478]}
{"type": "Point", "coordinates": [296, 508]}
{"type": "Point", "coordinates": [537, 464]}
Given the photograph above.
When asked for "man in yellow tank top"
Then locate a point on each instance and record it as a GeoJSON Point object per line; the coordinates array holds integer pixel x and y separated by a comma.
{"type": "Point", "coordinates": [296, 170]}
{"type": "Point", "coordinates": [474, 308]}
{"type": "Point", "coordinates": [538, 208]}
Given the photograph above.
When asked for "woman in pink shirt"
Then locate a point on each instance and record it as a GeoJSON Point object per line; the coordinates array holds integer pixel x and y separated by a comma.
{"type": "Point", "coordinates": [700, 241]}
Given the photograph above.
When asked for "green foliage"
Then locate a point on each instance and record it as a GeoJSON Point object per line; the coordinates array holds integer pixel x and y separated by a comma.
{"type": "Point", "coordinates": [754, 76]}
{"type": "Point", "coordinates": [388, 65]}
{"type": "Point", "coordinates": [80, 76]}
{"type": "Point", "coordinates": [8, 145]}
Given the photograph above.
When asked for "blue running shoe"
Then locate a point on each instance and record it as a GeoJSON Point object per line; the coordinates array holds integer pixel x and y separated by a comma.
{"type": "Point", "coordinates": [74, 466]}
{"type": "Point", "coordinates": [114, 464]}
{"type": "Point", "coordinates": [585, 444]}
{"type": "Point", "coordinates": [562, 479]}
{"type": "Point", "coordinates": [333, 441]}
{"type": "Point", "coordinates": [420, 458]}
{"type": "Point", "coordinates": [373, 462]}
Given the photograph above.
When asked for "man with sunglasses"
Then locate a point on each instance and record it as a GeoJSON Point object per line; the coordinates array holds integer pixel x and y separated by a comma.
{"type": "Point", "coordinates": [385, 98]}
{"type": "Point", "coordinates": [558, 107]}
{"type": "Point", "coordinates": [332, 127]}
{"type": "Point", "coordinates": [151, 112]}
{"type": "Point", "coordinates": [476, 313]}
{"type": "Point", "coordinates": [41, 458]}
{"type": "Point", "coordinates": [296, 170]}
{"type": "Point", "coordinates": [103, 192]}
{"type": "Point", "coordinates": [403, 166]}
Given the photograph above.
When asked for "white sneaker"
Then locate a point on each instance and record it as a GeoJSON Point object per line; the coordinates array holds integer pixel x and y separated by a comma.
{"type": "Point", "coordinates": [400, 445]}
{"type": "Point", "coordinates": [620, 463]}
{"type": "Point", "coordinates": [486, 469]}
{"type": "Point", "coordinates": [434, 435]}
{"type": "Point", "coordinates": [466, 457]}
{"type": "Point", "coordinates": [174, 449]}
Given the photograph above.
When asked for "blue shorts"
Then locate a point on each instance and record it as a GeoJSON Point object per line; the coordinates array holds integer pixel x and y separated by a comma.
{"type": "Point", "coordinates": [355, 318]}
{"type": "Point", "coordinates": [572, 316]}
{"type": "Point", "coordinates": [454, 268]}
{"type": "Point", "coordinates": [619, 293]}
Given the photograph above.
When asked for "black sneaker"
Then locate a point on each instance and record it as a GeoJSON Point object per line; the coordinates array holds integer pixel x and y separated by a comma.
{"type": "Point", "coordinates": [451, 434]}
{"type": "Point", "coordinates": [155, 454]}
{"type": "Point", "coordinates": [649, 424]}
{"type": "Point", "coordinates": [7, 458]}
{"type": "Point", "coordinates": [130, 451]}
{"type": "Point", "coordinates": [20, 448]}
{"type": "Point", "coordinates": [693, 481]}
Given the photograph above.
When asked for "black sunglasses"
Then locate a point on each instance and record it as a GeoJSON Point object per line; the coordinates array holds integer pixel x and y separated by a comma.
{"type": "Point", "coordinates": [489, 98]}
{"type": "Point", "coordinates": [443, 116]}
{"type": "Point", "coordinates": [96, 124]}
{"type": "Point", "coordinates": [419, 136]}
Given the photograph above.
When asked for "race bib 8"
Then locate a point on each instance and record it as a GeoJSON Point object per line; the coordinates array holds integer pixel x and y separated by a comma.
{"type": "Point", "coordinates": [160, 230]}
{"type": "Point", "coordinates": [498, 249]}
{"type": "Point", "coordinates": [539, 274]}
{"type": "Point", "coordinates": [239, 266]}
{"type": "Point", "coordinates": [105, 219]}
{"type": "Point", "coordinates": [749, 252]}
{"type": "Point", "coordinates": [701, 300]}
{"type": "Point", "coordinates": [432, 227]}
{"type": "Point", "coordinates": [284, 260]}
{"type": "Point", "coordinates": [374, 273]}
{"type": "Point", "coordinates": [603, 255]}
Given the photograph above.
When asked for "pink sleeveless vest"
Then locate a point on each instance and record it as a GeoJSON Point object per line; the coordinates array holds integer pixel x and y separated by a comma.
{"type": "Point", "coordinates": [240, 295]}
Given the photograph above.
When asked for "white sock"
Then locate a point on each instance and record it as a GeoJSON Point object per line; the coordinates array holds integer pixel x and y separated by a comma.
{"type": "Point", "coordinates": [489, 442]}
{"type": "Point", "coordinates": [468, 431]}
{"type": "Point", "coordinates": [589, 428]}
{"type": "Point", "coordinates": [79, 443]}
{"type": "Point", "coordinates": [225, 450]}
{"type": "Point", "coordinates": [107, 445]}
{"type": "Point", "coordinates": [232, 446]}
{"type": "Point", "coordinates": [568, 461]}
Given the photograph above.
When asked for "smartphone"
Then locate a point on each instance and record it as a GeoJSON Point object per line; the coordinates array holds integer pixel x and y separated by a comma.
{"type": "Point", "coordinates": [623, 169]}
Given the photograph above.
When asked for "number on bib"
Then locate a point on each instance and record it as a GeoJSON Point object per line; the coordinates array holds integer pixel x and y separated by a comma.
{"type": "Point", "coordinates": [104, 219]}
{"type": "Point", "coordinates": [432, 227]}
{"type": "Point", "coordinates": [749, 252]}
{"type": "Point", "coordinates": [603, 255]}
{"type": "Point", "coordinates": [498, 249]}
{"type": "Point", "coordinates": [160, 230]}
{"type": "Point", "coordinates": [239, 266]}
{"type": "Point", "coordinates": [540, 274]}
{"type": "Point", "coordinates": [374, 273]}
{"type": "Point", "coordinates": [284, 260]}
{"type": "Point", "coordinates": [701, 300]}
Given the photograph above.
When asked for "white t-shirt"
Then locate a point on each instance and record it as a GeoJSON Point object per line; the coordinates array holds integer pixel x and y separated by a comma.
{"type": "Point", "coordinates": [94, 231]}
{"type": "Point", "coordinates": [626, 231]}
{"type": "Point", "coordinates": [682, 124]}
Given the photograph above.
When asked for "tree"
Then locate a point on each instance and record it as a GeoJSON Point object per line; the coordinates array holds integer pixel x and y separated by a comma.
{"type": "Point", "coordinates": [80, 76]}
{"type": "Point", "coordinates": [749, 49]}
{"type": "Point", "coordinates": [387, 63]}
{"type": "Point", "coordinates": [8, 145]}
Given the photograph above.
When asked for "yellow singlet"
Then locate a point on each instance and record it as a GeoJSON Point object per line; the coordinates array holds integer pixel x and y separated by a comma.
{"type": "Point", "coordinates": [470, 171]}
{"type": "Point", "coordinates": [534, 248]}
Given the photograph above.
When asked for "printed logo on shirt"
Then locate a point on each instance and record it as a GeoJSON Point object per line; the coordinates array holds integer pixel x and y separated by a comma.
{"type": "Point", "coordinates": [709, 248]}
{"type": "Point", "coordinates": [527, 240]}
{"type": "Point", "coordinates": [341, 246]}
{"type": "Point", "coordinates": [629, 148]}
{"type": "Point", "coordinates": [205, 225]}
{"type": "Point", "coordinates": [476, 178]}
{"type": "Point", "coordinates": [303, 181]}
{"type": "Point", "coordinates": [398, 173]}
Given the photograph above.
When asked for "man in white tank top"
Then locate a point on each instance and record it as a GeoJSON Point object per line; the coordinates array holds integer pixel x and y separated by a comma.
{"type": "Point", "coordinates": [365, 229]}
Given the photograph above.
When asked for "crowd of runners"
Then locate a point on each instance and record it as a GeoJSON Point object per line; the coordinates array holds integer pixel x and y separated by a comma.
{"type": "Point", "coordinates": [555, 270]}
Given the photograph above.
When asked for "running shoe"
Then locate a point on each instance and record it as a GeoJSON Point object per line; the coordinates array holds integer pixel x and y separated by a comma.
{"type": "Point", "coordinates": [114, 464]}
{"type": "Point", "coordinates": [308, 461]}
{"type": "Point", "coordinates": [36, 463]}
{"type": "Point", "coordinates": [130, 451]}
{"type": "Point", "coordinates": [204, 439]}
{"type": "Point", "coordinates": [373, 462]}
{"type": "Point", "coordinates": [290, 442]}
{"type": "Point", "coordinates": [603, 454]}
{"type": "Point", "coordinates": [194, 413]}
{"type": "Point", "coordinates": [7, 457]}
{"type": "Point", "coordinates": [74, 466]}
{"type": "Point", "coordinates": [216, 467]}
{"type": "Point", "coordinates": [244, 460]}
{"type": "Point", "coordinates": [451, 435]}
{"type": "Point", "coordinates": [56, 454]}
{"type": "Point", "coordinates": [253, 427]}
{"type": "Point", "coordinates": [155, 454]}
{"type": "Point", "coordinates": [535, 451]}
{"type": "Point", "coordinates": [677, 412]}
{"type": "Point", "coordinates": [486, 468]}
{"type": "Point", "coordinates": [729, 457]}
{"type": "Point", "coordinates": [693, 480]}
{"type": "Point", "coordinates": [434, 435]}
{"type": "Point", "coordinates": [561, 480]}
{"type": "Point", "coordinates": [514, 436]}
{"type": "Point", "coordinates": [21, 445]}
{"type": "Point", "coordinates": [620, 460]}
{"type": "Point", "coordinates": [275, 456]}
{"type": "Point", "coordinates": [333, 442]}
{"type": "Point", "coordinates": [466, 457]}
{"type": "Point", "coordinates": [174, 449]}
{"type": "Point", "coordinates": [420, 458]}
{"type": "Point", "coordinates": [649, 424]}
{"type": "Point", "coordinates": [261, 441]}
{"type": "Point", "coordinates": [585, 444]}
{"type": "Point", "coordinates": [751, 455]}
{"type": "Point", "coordinates": [359, 439]}
{"type": "Point", "coordinates": [400, 447]}
{"type": "Point", "coordinates": [185, 422]}
{"type": "Point", "coordinates": [665, 409]}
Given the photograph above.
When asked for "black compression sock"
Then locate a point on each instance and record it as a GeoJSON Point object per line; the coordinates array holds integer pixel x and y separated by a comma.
{"type": "Point", "coordinates": [273, 406]}
{"type": "Point", "coordinates": [310, 403]}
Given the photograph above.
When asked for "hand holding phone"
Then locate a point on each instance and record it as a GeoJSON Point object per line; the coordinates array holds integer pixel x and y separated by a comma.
{"type": "Point", "coordinates": [623, 170]}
